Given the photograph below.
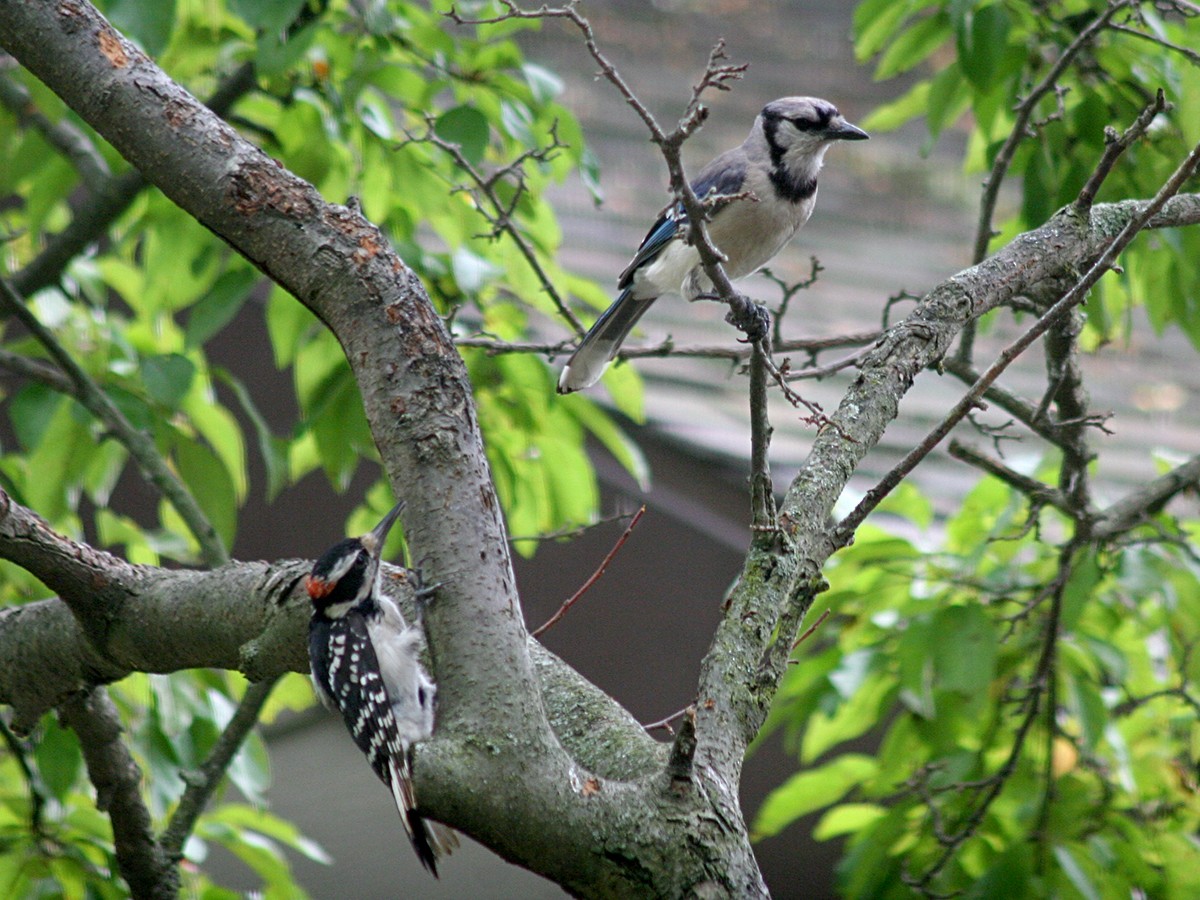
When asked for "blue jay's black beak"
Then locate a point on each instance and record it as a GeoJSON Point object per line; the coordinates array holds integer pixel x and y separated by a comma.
{"type": "Point", "coordinates": [373, 540]}
{"type": "Point", "coordinates": [844, 131]}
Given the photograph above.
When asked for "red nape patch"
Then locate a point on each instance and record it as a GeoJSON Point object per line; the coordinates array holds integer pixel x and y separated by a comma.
{"type": "Point", "coordinates": [317, 587]}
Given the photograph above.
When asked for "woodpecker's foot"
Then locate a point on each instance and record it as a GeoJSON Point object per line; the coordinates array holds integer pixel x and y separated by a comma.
{"type": "Point", "coordinates": [422, 592]}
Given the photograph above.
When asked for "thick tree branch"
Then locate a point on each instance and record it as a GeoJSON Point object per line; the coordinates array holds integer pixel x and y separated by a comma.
{"type": "Point", "coordinates": [247, 616]}
{"type": "Point", "coordinates": [118, 782]}
{"type": "Point", "coordinates": [492, 718]}
{"type": "Point", "coordinates": [1137, 507]}
{"type": "Point", "coordinates": [1063, 246]}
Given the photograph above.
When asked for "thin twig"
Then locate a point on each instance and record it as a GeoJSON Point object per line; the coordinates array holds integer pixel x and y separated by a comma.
{"type": "Point", "coordinates": [788, 292]}
{"type": "Point", "coordinates": [1190, 54]}
{"type": "Point", "coordinates": [994, 784]}
{"type": "Point", "coordinates": [668, 347]}
{"type": "Point", "coordinates": [1024, 111]}
{"type": "Point", "coordinates": [1037, 491]}
{"type": "Point", "coordinates": [501, 216]}
{"type": "Point", "coordinates": [1114, 146]}
{"type": "Point", "coordinates": [37, 797]}
{"type": "Point", "coordinates": [595, 576]}
{"type": "Point", "coordinates": [570, 531]}
{"type": "Point", "coordinates": [1076, 295]}
{"type": "Point", "coordinates": [1004, 157]}
{"type": "Point", "coordinates": [202, 784]}
{"type": "Point", "coordinates": [809, 632]}
{"type": "Point", "coordinates": [140, 445]}
{"type": "Point", "coordinates": [665, 724]}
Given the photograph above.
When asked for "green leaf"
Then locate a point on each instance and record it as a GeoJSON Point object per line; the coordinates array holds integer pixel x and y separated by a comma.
{"type": "Point", "coordinates": [544, 84]}
{"type": "Point", "coordinates": [913, 46]}
{"type": "Point", "coordinates": [251, 818]}
{"type": "Point", "coordinates": [149, 22]}
{"type": "Point", "coordinates": [273, 16]}
{"type": "Point", "coordinates": [211, 485]}
{"type": "Point", "coordinates": [964, 645]}
{"type": "Point", "coordinates": [1081, 586]}
{"type": "Point", "coordinates": [890, 116]}
{"type": "Point", "coordinates": [1010, 876]}
{"type": "Point", "coordinates": [812, 790]}
{"type": "Point", "coordinates": [876, 22]}
{"type": "Point", "coordinates": [468, 128]}
{"type": "Point", "coordinates": [1075, 873]}
{"type": "Point", "coordinates": [59, 758]}
{"type": "Point", "coordinates": [849, 818]}
{"type": "Point", "coordinates": [982, 44]}
{"type": "Point", "coordinates": [274, 450]}
{"type": "Point", "coordinates": [219, 305]}
{"type": "Point", "coordinates": [31, 410]}
{"type": "Point", "coordinates": [278, 50]}
{"type": "Point", "coordinates": [168, 378]}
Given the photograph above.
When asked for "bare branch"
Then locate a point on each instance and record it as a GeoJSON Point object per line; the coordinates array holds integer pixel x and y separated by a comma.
{"type": "Point", "coordinates": [668, 347]}
{"type": "Point", "coordinates": [1024, 112]}
{"type": "Point", "coordinates": [1041, 683]}
{"type": "Point", "coordinates": [1037, 491]}
{"type": "Point", "coordinates": [1069, 301]}
{"type": "Point", "coordinates": [593, 578]}
{"type": "Point", "coordinates": [1186, 52]}
{"type": "Point", "coordinates": [1114, 146]}
{"type": "Point", "coordinates": [1134, 509]}
{"type": "Point", "coordinates": [118, 782]}
{"type": "Point", "coordinates": [202, 784]}
{"type": "Point", "coordinates": [501, 215]}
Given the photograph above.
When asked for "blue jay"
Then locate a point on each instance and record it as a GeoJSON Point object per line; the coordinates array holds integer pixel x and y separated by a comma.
{"type": "Point", "coordinates": [777, 166]}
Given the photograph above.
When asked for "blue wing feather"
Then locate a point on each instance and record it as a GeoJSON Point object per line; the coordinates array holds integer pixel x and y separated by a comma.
{"type": "Point", "coordinates": [721, 176]}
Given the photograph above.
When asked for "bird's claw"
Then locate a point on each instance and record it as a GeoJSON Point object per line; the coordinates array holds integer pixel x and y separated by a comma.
{"type": "Point", "coordinates": [750, 318]}
{"type": "Point", "coordinates": [422, 591]}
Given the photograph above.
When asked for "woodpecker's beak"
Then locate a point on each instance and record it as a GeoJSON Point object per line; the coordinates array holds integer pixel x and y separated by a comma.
{"type": "Point", "coordinates": [373, 539]}
{"type": "Point", "coordinates": [841, 130]}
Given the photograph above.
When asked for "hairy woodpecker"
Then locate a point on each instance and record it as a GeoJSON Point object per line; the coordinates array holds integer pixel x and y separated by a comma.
{"type": "Point", "coordinates": [365, 665]}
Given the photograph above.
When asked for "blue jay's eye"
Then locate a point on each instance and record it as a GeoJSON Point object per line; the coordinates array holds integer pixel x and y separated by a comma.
{"type": "Point", "coordinates": [804, 124]}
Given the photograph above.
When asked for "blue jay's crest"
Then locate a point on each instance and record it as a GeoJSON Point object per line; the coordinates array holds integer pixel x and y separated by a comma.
{"type": "Point", "coordinates": [777, 167]}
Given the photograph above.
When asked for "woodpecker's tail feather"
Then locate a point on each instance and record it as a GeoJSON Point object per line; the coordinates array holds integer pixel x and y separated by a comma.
{"type": "Point", "coordinates": [601, 343]}
{"type": "Point", "coordinates": [431, 840]}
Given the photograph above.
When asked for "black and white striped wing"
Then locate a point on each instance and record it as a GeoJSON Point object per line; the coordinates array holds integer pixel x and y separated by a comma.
{"type": "Point", "coordinates": [345, 671]}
